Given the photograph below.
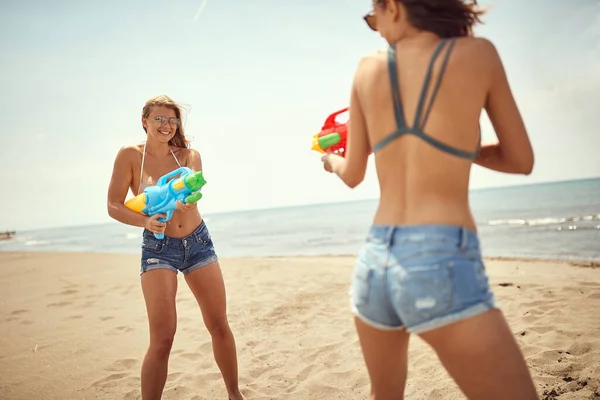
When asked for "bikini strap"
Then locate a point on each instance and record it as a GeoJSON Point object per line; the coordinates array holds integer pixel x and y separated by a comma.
{"type": "Point", "coordinates": [142, 167]}
{"type": "Point", "coordinates": [175, 157]}
{"type": "Point", "coordinates": [419, 123]}
{"type": "Point", "coordinates": [395, 87]}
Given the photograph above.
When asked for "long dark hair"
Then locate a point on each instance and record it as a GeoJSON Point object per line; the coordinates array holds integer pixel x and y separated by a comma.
{"type": "Point", "coordinates": [445, 18]}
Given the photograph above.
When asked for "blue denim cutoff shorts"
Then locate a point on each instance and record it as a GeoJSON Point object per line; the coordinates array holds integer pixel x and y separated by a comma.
{"type": "Point", "coordinates": [178, 254]}
{"type": "Point", "coordinates": [419, 277]}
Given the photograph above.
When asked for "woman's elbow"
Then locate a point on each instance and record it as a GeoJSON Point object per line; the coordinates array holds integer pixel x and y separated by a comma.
{"type": "Point", "coordinates": [518, 162]}
{"type": "Point", "coordinates": [354, 180]}
{"type": "Point", "coordinates": [111, 208]}
{"type": "Point", "coordinates": [528, 168]}
{"type": "Point", "coordinates": [525, 165]}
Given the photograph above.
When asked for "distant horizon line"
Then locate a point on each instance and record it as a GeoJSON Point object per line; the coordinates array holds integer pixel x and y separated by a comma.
{"type": "Point", "coordinates": [486, 188]}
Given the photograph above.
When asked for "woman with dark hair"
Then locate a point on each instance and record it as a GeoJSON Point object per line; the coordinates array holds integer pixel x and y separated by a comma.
{"type": "Point", "coordinates": [417, 108]}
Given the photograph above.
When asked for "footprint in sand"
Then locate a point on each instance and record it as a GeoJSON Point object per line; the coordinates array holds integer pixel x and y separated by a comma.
{"type": "Point", "coordinates": [128, 290]}
{"type": "Point", "coordinates": [60, 304]}
{"type": "Point", "coordinates": [123, 364]}
{"type": "Point", "coordinates": [175, 376]}
{"type": "Point", "coordinates": [107, 318]}
{"type": "Point", "coordinates": [205, 348]}
{"type": "Point", "coordinates": [15, 315]}
{"type": "Point", "coordinates": [588, 284]}
{"type": "Point", "coordinates": [110, 380]}
{"type": "Point", "coordinates": [78, 316]}
{"type": "Point", "coordinates": [121, 329]}
{"type": "Point", "coordinates": [305, 373]}
{"type": "Point", "coordinates": [190, 356]}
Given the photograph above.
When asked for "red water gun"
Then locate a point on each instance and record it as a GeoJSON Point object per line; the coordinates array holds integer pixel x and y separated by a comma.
{"type": "Point", "coordinates": [333, 136]}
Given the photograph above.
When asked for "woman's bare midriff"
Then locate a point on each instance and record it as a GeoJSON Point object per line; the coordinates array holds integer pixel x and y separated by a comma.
{"type": "Point", "coordinates": [424, 194]}
{"type": "Point", "coordinates": [182, 224]}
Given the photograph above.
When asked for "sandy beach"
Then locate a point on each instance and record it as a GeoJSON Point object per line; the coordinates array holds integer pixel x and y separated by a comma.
{"type": "Point", "coordinates": [73, 326]}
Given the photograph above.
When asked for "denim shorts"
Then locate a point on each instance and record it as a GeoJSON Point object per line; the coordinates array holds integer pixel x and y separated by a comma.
{"type": "Point", "coordinates": [178, 254]}
{"type": "Point", "coordinates": [419, 277]}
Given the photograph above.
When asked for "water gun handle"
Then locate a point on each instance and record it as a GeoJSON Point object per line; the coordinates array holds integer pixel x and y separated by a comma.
{"type": "Point", "coordinates": [193, 198]}
{"type": "Point", "coordinates": [169, 214]}
{"type": "Point", "coordinates": [163, 179]}
{"type": "Point", "coordinates": [331, 119]}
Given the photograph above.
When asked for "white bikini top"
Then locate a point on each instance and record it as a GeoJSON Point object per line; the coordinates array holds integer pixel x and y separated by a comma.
{"type": "Point", "coordinates": [145, 185]}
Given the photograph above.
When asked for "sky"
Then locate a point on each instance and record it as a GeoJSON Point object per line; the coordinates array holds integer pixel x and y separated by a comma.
{"type": "Point", "coordinates": [257, 80]}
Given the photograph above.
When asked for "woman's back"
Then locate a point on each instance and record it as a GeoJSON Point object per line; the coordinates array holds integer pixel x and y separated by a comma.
{"type": "Point", "coordinates": [424, 169]}
{"type": "Point", "coordinates": [423, 164]}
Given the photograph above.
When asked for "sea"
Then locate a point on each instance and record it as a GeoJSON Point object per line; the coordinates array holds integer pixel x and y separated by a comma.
{"type": "Point", "coordinates": [559, 220]}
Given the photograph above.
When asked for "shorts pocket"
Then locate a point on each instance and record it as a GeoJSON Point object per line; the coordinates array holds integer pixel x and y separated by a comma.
{"type": "Point", "coordinates": [203, 237]}
{"type": "Point", "coordinates": [361, 283]}
{"type": "Point", "coordinates": [152, 245]}
{"type": "Point", "coordinates": [424, 291]}
{"type": "Point", "coordinates": [206, 239]}
{"type": "Point", "coordinates": [471, 284]}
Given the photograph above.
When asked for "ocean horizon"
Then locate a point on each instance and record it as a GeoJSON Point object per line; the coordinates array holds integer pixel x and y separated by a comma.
{"type": "Point", "coordinates": [553, 220]}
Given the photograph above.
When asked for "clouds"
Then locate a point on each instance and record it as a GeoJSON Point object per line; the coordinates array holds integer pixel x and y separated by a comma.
{"type": "Point", "coordinates": [200, 10]}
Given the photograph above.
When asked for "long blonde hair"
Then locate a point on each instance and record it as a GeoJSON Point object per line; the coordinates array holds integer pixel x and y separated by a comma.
{"type": "Point", "coordinates": [179, 140]}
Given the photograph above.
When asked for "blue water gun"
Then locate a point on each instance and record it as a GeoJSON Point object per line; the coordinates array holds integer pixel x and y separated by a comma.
{"type": "Point", "coordinates": [162, 198]}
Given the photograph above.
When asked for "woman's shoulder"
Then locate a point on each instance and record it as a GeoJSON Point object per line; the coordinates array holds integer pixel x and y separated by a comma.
{"type": "Point", "coordinates": [131, 149]}
{"type": "Point", "coordinates": [129, 152]}
{"type": "Point", "coordinates": [371, 64]}
{"type": "Point", "coordinates": [480, 48]}
{"type": "Point", "coordinates": [476, 56]}
{"type": "Point", "coordinates": [186, 155]}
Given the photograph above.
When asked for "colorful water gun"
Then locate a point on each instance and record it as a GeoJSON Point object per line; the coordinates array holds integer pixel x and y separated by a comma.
{"type": "Point", "coordinates": [162, 197]}
{"type": "Point", "coordinates": [333, 136]}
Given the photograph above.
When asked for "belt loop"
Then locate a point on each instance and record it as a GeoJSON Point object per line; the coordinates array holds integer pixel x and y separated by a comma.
{"type": "Point", "coordinates": [463, 238]}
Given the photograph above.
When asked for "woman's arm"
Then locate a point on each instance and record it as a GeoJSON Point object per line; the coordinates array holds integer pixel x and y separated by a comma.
{"type": "Point", "coordinates": [117, 190]}
{"type": "Point", "coordinates": [513, 152]}
{"type": "Point", "coordinates": [195, 161]}
{"type": "Point", "coordinates": [352, 168]}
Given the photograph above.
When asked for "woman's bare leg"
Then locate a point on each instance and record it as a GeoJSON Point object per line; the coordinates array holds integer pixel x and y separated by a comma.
{"type": "Point", "coordinates": [159, 287]}
{"type": "Point", "coordinates": [483, 357]}
{"type": "Point", "coordinates": [206, 283]}
{"type": "Point", "coordinates": [385, 354]}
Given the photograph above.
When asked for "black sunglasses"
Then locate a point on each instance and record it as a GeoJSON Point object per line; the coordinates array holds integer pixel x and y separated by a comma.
{"type": "Point", "coordinates": [371, 21]}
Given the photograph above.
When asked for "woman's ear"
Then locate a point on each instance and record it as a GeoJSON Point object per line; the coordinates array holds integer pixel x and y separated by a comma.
{"type": "Point", "coordinates": [396, 9]}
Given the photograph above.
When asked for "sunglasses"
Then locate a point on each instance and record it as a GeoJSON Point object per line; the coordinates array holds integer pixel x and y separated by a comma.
{"type": "Point", "coordinates": [160, 120]}
{"type": "Point", "coordinates": [371, 21]}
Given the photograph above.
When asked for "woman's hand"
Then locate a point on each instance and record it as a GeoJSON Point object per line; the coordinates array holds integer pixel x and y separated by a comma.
{"type": "Point", "coordinates": [326, 163]}
{"type": "Point", "coordinates": [331, 161]}
{"type": "Point", "coordinates": [185, 206]}
{"type": "Point", "coordinates": [154, 225]}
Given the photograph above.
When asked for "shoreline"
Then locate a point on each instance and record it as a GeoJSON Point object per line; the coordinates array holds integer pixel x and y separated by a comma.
{"type": "Point", "coordinates": [577, 262]}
